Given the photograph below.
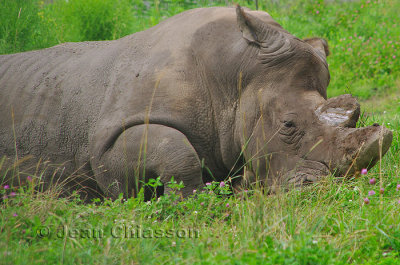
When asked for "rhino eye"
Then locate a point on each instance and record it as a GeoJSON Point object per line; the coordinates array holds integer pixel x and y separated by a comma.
{"type": "Point", "coordinates": [288, 124]}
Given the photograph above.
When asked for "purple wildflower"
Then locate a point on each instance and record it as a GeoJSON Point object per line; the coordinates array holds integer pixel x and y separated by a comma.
{"type": "Point", "coordinates": [371, 192]}
{"type": "Point", "coordinates": [194, 191]}
{"type": "Point", "coordinates": [202, 203]}
{"type": "Point", "coordinates": [29, 178]}
{"type": "Point", "coordinates": [372, 181]}
{"type": "Point", "coordinates": [398, 187]}
{"type": "Point", "coordinates": [227, 205]}
{"type": "Point", "coordinates": [381, 190]}
{"type": "Point", "coordinates": [15, 215]}
{"type": "Point", "coordinates": [13, 194]}
{"type": "Point", "coordinates": [366, 200]}
{"type": "Point", "coordinates": [222, 184]}
{"type": "Point", "coordinates": [364, 171]}
{"type": "Point", "coordinates": [208, 184]}
{"type": "Point", "coordinates": [6, 187]}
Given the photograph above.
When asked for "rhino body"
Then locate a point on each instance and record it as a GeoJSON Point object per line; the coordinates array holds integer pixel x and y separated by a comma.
{"type": "Point", "coordinates": [197, 97]}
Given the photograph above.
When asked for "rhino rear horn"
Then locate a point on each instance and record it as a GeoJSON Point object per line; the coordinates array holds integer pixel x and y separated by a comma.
{"type": "Point", "coordinates": [341, 111]}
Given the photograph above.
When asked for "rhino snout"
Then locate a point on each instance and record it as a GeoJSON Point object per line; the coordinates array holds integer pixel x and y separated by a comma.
{"type": "Point", "coordinates": [307, 171]}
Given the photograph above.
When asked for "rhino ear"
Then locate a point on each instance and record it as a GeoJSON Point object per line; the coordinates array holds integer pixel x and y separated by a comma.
{"type": "Point", "coordinates": [250, 26]}
{"type": "Point", "coordinates": [319, 44]}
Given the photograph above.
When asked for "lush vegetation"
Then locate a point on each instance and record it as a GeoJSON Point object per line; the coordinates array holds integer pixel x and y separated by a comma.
{"type": "Point", "coordinates": [327, 223]}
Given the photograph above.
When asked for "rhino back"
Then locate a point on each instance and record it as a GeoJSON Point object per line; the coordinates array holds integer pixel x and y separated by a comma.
{"type": "Point", "coordinates": [52, 97]}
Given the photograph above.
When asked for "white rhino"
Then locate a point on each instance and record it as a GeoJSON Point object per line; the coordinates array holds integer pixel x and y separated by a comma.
{"type": "Point", "coordinates": [197, 97]}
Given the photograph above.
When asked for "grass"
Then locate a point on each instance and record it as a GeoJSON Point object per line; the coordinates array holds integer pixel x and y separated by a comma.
{"type": "Point", "coordinates": [328, 223]}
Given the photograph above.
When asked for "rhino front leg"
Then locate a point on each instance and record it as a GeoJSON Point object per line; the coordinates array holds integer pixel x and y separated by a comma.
{"type": "Point", "coordinates": [147, 151]}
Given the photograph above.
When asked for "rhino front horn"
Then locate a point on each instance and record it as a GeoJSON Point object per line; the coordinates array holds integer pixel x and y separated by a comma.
{"type": "Point", "coordinates": [342, 111]}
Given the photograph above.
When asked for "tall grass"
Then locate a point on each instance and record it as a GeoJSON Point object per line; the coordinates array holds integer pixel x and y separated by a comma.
{"type": "Point", "coordinates": [327, 223]}
{"type": "Point", "coordinates": [21, 27]}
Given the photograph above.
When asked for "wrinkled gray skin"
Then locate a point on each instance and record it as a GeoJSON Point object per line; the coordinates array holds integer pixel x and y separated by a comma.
{"type": "Point", "coordinates": [212, 88]}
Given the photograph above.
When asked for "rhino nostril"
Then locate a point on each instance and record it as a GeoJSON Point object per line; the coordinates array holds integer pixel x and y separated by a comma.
{"type": "Point", "coordinates": [375, 124]}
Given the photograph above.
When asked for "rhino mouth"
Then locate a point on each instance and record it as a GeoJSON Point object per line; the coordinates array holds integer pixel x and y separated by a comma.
{"type": "Point", "coordinates": [306, 172]}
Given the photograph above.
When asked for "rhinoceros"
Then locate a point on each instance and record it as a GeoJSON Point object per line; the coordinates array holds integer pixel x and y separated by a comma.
{"type": "Point", "coordinates": [207, 94]}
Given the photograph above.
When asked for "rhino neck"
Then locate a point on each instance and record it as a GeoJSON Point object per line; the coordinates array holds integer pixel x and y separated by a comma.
{"type": "Point", "coordinates": [223, 73]}
{"type": "Point", "coordinates": [234, 89]}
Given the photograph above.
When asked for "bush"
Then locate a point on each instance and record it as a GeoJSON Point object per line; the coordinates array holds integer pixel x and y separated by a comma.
{"type": "Point", "coordinates": [91, 20]}
{"type": "Point", "coordinates": [22, 27]}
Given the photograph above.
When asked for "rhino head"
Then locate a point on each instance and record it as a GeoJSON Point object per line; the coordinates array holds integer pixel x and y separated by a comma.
{"type": "Point", "coordinates": [288, 129]}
